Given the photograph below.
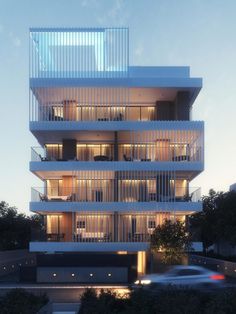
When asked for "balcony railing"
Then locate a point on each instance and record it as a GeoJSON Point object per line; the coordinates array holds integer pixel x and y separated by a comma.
{"type": "Point", "coordinates": [125, 152]}
{"type": "Point", "coordinates": [91, 237]}
{"type": "Point", "coordinates": [126, 194]}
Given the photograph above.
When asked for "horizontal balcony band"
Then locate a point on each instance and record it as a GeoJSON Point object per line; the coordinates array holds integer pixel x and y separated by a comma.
{"type": "Point", "coordinates": [115, 166]}
{"type": "Point", "coordinates": [177, 207]}
{"type": "Point", "coordinates": [88, 247]}
{"type": "Point", "coordinates": [193, 84]}
{"type": "Point", "coordinates": [114, 125]}
{"type": "Point", "coordinates": [96, 246]}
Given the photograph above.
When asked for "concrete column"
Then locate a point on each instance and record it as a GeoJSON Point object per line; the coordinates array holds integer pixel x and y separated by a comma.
{"type": "Point", "coordinates": [182, 108]}
{"type": "Point", "coordinates": [164, 110]}
{"type": "Point", "coordinates": [69, 149]}
{"type": "Point", "coordinates": [116, 188]}
{"type": "Point", "coordinates": [115, 227]}
{"type": "Point", "coordinates": [116, 153]}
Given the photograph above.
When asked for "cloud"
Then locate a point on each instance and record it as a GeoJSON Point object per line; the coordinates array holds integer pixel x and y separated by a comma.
{"type": "Point", "coordinates": [115, 10]}
{"type": "Point", "coordinates": [117, 14]}
{"type": "Point", "coordinates": [139, 50]}
{"type": "Point", "coordinates": [84, 3]}
{"type": "Point", "coordinates": [89, 3]}
{"type": "Point", "coordinates": [14, 40]}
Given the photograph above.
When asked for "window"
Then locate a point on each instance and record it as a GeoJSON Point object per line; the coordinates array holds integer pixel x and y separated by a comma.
{"type": "Point", "coordinates": [81, 224]}
{"type": "Point", "coordinates": [188, 272]}
{"type": "Point", "coordinates": [151, 224]}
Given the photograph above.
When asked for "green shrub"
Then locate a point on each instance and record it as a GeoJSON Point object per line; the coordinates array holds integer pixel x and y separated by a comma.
{"type": "Point", "coordinates": [166, 301]}
{"type": "Point", "coordinates": [106, 302]}
{"type": "Point", "coordinates": [19, 301]}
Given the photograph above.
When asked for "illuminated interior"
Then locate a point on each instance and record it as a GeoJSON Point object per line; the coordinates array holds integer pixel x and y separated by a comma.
{"type": "Point", "coordinates": [105, 227]}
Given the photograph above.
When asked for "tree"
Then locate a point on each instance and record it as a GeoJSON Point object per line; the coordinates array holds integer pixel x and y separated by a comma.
{"type": "Point", "coordinates": [217, 221]}
{"type": "Point", "coordinates": [172, 238]}
{"type": "Point", "coordinates": [15, 228]}
{"type": "Point", "coordinates": [204, 223]}
{"type": "Point", "coordinates": [226, 217]}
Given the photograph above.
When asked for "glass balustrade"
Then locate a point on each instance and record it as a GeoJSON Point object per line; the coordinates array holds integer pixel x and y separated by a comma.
{"type": "Point", "coordinates": [124, 152]}
{"type": "Point", "coordinates": [126, 191]}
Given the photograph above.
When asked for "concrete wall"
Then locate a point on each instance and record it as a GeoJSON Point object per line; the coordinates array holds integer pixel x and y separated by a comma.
{"type": "Point", "coordinates": [225, 249]}
{"type": "Point", "coordinates": [82, 274]}
{"type": "Point", "coordinates": [10, 261]}
{"type": "Point", "coordinates": [225, 267]}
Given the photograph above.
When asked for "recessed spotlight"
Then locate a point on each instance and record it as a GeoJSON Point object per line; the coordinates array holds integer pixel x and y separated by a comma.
{"type": "Point", "coordinates": [72, 275]}
{"type": "Point", "coordinates": [109, 275]}
{"type": "Point", "coordinates": [54, 275]}
{"type": "Point", "coordinates": [91, 275]}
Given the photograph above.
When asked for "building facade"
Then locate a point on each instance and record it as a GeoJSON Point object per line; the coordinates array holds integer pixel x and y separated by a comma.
{"type": "Point", "coordinates": [118, 151]}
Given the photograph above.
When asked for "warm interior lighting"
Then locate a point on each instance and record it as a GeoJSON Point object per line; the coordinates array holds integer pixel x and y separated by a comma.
{"type": "Point", "coordinates": [122, 252]}
{"type": "Point", "coordinates": [53, 145]}
{"type": "Point", "coordinates": [141, 262]}
{"type": "Point", "coordinates": [134, 181]}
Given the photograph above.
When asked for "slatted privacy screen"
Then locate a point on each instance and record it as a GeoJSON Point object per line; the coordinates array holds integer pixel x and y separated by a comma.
{"type": "Point", "coordinates": [79, 104]}
{"type": "Point", "coordinates": [79, 53]}
{"type": "Point", "coordinates": [115, 227]}
{"type": "Point", "coordinates": [131, 186]}
{"type": "Point", "coordinates": [152, 145]}
{"type": "Point", "coordinates": [162, 144]}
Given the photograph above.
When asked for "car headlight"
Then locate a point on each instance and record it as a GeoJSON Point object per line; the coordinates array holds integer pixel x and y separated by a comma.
{"type": "Point", "coordinates": [145, 282]}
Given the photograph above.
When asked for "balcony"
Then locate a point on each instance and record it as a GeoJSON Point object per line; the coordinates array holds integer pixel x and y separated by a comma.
{"type": "Point", "coordinates": [100, 227]}
{"type": "Point", "coordinates": [127, 192]}
{"type": "Point", "coordinates": [91, 237]}
{"type": "Point", "coordinates": [70, 111]}
{"type": "Point", "coordinates": [121, 152]}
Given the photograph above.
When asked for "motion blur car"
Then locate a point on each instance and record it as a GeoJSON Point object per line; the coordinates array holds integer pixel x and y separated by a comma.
{"type": "Point", "coordinates": [181, 275]}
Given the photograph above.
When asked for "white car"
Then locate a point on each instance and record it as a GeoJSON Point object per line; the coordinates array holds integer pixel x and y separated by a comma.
{"type": "Point", "coordinates": [191, 276]}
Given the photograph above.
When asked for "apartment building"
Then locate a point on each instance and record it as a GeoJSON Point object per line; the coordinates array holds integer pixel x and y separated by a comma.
{"type": "Point", "coordinates": [117, 152]}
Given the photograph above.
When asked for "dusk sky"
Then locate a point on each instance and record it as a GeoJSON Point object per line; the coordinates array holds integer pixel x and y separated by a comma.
{"type": "Point", "coordinates": [197, 33]}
